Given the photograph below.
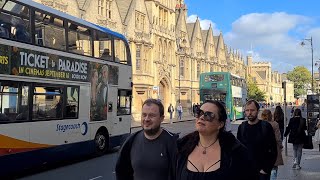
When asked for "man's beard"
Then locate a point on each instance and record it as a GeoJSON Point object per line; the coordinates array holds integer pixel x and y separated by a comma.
{"type": "Point", "coordinates": [252, 118]}
{"type": "Point", "coordinates": [152, 131]}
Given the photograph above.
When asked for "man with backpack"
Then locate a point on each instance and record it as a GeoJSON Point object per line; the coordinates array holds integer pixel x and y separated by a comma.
{"type": "Point", "coordinates": [258, 136]}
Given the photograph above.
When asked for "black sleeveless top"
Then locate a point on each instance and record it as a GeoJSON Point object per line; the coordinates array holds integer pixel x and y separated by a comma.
{"type": "Point", "coordinates": [186, 174]}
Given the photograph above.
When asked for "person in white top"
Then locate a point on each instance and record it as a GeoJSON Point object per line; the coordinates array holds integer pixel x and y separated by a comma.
{"type": "Point", "coordinates": [180, 111]}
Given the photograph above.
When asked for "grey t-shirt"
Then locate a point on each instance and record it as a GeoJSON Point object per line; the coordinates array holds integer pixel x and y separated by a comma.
{"type": "Point", "coordinates": [150, 158]}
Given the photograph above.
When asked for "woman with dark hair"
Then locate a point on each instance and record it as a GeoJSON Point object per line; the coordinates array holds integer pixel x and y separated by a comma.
{"type": "Point", "coordinates": [210, 152]}
{"type": "Point", "coordinates": [297, 126]}
{"type": "Point", "coordinates": [278, 116]}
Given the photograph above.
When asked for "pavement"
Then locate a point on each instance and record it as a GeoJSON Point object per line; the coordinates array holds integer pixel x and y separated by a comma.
{"type": "Point", "coordinates": [310, 165]}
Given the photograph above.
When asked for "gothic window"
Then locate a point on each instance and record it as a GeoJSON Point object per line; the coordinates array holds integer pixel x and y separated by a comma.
{"type": "Point", "coordinates": [165, 18]}
{"type": "Point", "coordinates": [181, 68]}
{"type": "Point", "coordinates": [198, 69]}
{"type": "Point", "coordinates": [164, 54]}
{"type": "Point", "coordinates": [137, 20]}
{"type": "Point", "coordinates": [160, 52]}
{"type": "Point", "coordinates": [146, 57]}
{"type": "Point", "coordinates": [160, 16]}
{"type": "Point", "coordinates": [101, 7]}
{"type": "Point", "coordinates": [140, 19]}
{"type": "Point", "coordinates": [138, 57]}
{"type": "Point", "coordinates": [108, 8]}
{"type": "Point", "coordinates": [198, 45]}
{"type": "Point", "coordinates": [169, 54]}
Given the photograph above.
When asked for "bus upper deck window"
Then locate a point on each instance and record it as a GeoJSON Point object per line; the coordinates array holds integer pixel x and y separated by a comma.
{"type": "Point", "coordinates": [14, 22]}
{"type": "Point", "coordinates": [103, 46]}
{"type": "Point", "coordinates": [79, 40]}
{"type": "Point", "coordinates": [120, 51]}
{"type": "Point", "coordinates": [49, 31]}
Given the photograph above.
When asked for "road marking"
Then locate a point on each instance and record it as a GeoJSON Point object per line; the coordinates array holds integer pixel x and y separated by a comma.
{"type": "Point", "coordinates": [96, 178]}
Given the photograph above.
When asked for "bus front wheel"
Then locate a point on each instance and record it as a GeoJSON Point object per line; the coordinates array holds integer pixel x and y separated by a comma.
{"type": "Point", "coordinates": [101, 142]}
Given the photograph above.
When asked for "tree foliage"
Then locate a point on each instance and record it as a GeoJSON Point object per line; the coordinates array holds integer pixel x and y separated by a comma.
{"type": "Point", "coordinates": [301, 77]}
{"type": "Point", "coordinates": [254, 92]}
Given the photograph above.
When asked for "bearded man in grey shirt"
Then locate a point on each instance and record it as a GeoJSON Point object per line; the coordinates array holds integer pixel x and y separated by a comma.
{"type": "Point", "coordinates": [151, 152]}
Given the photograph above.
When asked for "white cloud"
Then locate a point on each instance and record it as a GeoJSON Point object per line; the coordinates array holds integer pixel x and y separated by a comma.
{"type": "Point", "coordinates": [276, 37]}
{"type": "Point", "coordinates": [204, 24]}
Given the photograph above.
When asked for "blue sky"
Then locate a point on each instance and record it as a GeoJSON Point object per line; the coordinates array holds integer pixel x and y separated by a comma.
{"type": "Point", "coordinates": [273, 29]}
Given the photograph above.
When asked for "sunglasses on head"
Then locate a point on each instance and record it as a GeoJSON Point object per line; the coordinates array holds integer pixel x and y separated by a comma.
{"type": "Point", "coordinates": [207, 116]}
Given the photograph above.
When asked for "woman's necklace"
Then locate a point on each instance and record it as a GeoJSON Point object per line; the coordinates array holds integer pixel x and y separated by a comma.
{"type": "Point", "coordinates": [205, 148]}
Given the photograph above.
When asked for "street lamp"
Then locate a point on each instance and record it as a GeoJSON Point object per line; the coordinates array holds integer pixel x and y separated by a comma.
{"type": "Point", "coordinates": [191, 63]}
{"type": "Point", "coordinates": [302, 44]}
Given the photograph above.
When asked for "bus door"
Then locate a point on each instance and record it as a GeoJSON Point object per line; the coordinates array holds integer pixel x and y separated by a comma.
{"type": "Point", "coordinates": [312, 113]}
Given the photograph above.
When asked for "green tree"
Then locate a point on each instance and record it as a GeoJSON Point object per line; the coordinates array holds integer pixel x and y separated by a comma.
{"type": "Point", "coordinates": [301, 77]}
{"type": "Point", "coordinates": [254, 92]}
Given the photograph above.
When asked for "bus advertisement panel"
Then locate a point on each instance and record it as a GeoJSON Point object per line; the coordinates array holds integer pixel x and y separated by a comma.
{"type": "Point", "coordinates": [225, 87]}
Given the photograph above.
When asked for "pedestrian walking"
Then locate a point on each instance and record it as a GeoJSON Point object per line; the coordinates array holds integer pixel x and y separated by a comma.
{"type": "Point", "coordinates": [180, 111]}
{"type": "Point", "coordinates": [296, 131]}
{"type": "Point", "coordinates": [267, 116]}
{"type": "Point", "coordinates": [194, 109]}
{"type": "Point", "coordinates": [151, 152]}
{"type": "Point", "coordinates": [317, 134]}
{"type": "Point", "coordinates": [278, 116]}
{"type": "Point", "coordinates": [210, 152]}
{"type": "Point", "coordinates": [170, 110]}
{"type": "Point", "coordinates": [259, 138]}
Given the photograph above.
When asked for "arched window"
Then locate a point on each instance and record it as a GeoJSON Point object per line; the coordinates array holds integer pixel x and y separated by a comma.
{"type": "Point", "coordinates": [160, 51]}
{"type": "Point", "coordinates": [169, 54]}
{"type": "Point", "coordinates": [138, 57]}
{"type": "Point", "coordinates": [165, 51]}
{"type": "Point", "coordinates": [181, 67]}
{"type": "Point", "coordinates": [198, 69]}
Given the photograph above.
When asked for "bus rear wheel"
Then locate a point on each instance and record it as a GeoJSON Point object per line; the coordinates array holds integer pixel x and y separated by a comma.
{"type": "Point", "coordinates": [101, 141]}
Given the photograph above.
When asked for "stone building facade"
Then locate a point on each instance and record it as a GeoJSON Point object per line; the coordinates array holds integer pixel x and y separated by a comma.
{"type": "Point", "coordinates": [270, 82]}
{"type": "Point", "coordinates": [168, 54]}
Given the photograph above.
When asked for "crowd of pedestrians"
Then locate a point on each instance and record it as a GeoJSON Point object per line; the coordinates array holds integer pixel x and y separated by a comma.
{"type": "Point", "coordinates": [211, 151]}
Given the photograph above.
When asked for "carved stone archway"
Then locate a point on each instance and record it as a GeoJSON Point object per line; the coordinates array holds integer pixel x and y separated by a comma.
{"type": "Point", "coordinates": [165, 92]}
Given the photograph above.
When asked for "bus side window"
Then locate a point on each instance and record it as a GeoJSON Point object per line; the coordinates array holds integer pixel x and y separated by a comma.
{"type": "Point", "coordinates": [121, 52]}
{"type": "Point", "coordinates": [103, 46]}
{"type": "Point", "coordinates": [124, 102]}
{"type": "Point", "coordinates": [4, 30]}
{"type": "Point", "coordinates": [79, 40]}
{"type": "Point", "coordinates": [72, 104]}
{"type": "Point", "coordinates": [49, 31]}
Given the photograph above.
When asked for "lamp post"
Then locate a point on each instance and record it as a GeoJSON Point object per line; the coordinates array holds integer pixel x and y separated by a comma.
{"type": "Point", "coordinates": [191, 56]}
{"type": "Point", "coordinates": [302, 44]}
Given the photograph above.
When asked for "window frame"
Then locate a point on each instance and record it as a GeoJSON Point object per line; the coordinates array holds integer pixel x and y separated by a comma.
{"type": "Point", "coordinates": [31, 86]}
{"type": "Point", "coordinates": [128, 94]}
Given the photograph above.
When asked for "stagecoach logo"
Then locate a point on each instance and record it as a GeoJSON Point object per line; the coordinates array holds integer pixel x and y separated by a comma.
{"type": "Point", "coordinates": [71, 127]}
{"type": "Point", "coordinates": [84, 128]}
